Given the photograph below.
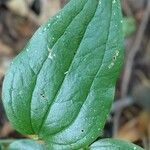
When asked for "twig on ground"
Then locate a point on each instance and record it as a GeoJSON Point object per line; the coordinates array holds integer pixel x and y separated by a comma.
{"type": "Point", "coordinates": [121, 104]}
{"type": "Point", "coordinates": [133, 52]}
{"type": "Point", "coordinates": [126, 8]}
{"type": "Point", "coordinates": [117, 108]}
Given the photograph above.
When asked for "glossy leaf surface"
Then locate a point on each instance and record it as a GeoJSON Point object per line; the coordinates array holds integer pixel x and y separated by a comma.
{"type": "Point", "coordinates": [25, 145]}
{"type": "Point", "coordinates": [61, 86]}
{"type": "Point", "coordinates": [113, 144]}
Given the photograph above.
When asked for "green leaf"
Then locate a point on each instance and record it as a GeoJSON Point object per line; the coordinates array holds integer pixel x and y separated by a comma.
{"type": "Point", "coordinates": [113, 144]}
{"type": "Point", "coordinates": [129, 26]}
{"type": "Point", "coordinates": [25, 145]}
{"type": "Point", "coordinates": [61, 86]}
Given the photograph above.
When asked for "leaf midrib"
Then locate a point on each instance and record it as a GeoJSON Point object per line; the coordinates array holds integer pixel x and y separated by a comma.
{"type": "Point", "coordinates": [43, 65]}
{"type": "Point", "coordinates": [46, 114]}
{"type": "Point", "coordinates": [90, 86]}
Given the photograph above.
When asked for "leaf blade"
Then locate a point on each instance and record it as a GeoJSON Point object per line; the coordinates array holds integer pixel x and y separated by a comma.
{"type": "Point", "coordinates": [113, 144]}
{"type": "Point", "coordinates": [66, 97]}
{"type": "Point", "coordinates": [25, 145]}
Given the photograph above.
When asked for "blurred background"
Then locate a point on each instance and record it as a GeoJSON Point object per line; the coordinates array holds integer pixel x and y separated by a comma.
{"type": "Point", "coordinates": [130, 114]}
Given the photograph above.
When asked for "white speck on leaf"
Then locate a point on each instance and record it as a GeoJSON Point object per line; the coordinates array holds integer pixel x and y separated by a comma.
{"type": "Point", "coordinates": [111, 65]}
{"type": "Point", "coordinates": [100, 2]}
{"type": "Point", "coordinates": [49, 25]}
{"type": "Point", "coordinates": [114, 59]}
{"type": "Point", "coordinates": [58, 16]}
{"type": "Point", "coordinates": [114, 1]}
{"type": "Point", "coordinates": [45, 29]}
{"type": "Point", "coordinates": [50, 55]}
{"type": "Point", "coordinates": [20, 93]}
{"type": "Point", "coordinates": [117, 53]}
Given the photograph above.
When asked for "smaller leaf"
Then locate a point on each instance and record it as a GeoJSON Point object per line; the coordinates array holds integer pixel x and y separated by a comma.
{"type": "Point", "coordinates": [129, 26]}
{"type": "Point", "coordinates": [25, 145]}
{"type": "Point", "coordinates": [113, 144]}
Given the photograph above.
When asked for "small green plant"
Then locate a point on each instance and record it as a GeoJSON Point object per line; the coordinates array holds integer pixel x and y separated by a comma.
{"type": "Point", "coordinates": [129, 26]}
{"type": "Point", "coordinates": [61, 86]}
